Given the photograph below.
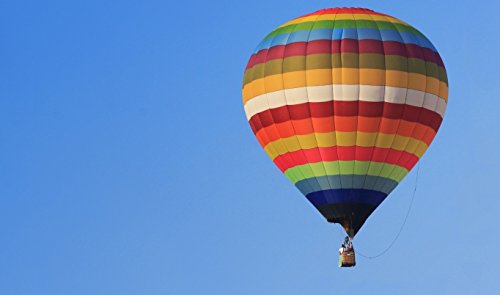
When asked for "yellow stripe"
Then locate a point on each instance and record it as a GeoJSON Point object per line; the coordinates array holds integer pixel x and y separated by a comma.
{"type": "Point", "coordinates": [349, 76]}
{"type": "Point", "coordinates": [345, 139]}
{"type": "Point", "coordinates": [344, 16]}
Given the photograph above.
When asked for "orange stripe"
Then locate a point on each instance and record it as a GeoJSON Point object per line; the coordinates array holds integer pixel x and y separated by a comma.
{"type": "Point", "coordinates": [345, 124]}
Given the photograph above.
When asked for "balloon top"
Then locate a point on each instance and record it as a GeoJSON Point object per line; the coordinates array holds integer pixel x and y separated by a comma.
{"type": "Point", "coordinates": [344, 7]}
{"type": "Point", "coordinates": [342, 10]}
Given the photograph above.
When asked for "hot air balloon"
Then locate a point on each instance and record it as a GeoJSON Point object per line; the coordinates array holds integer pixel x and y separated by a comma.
{"type": "Point", "coordinates": [345, 101]}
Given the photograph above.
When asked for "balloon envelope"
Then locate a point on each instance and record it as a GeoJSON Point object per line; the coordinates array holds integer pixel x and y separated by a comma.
{"type": "Point", "coordinates": [345, 101]}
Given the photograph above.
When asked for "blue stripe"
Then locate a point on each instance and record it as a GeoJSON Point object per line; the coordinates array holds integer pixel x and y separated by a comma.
{"type": "Point", "coordinates": [334, 196]}
{"type": "Point", "coordinates": [320, 183]}
{"type": "Point", "coordinates": [345, 33]}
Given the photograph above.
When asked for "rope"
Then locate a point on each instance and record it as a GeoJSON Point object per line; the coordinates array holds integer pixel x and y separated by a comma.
{"type": "Point", "coordinates": [402, 225]}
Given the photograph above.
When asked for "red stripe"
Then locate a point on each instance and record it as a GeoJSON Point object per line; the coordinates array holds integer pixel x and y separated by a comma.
{"type": "Point", "coordinates": [338, 153]}
{"type": "Point", "coordinates": [344, 10]}
{"type": "Point", "coordinates": [346, 109]}
{"type": "Point", "coordinates": [345, 46]}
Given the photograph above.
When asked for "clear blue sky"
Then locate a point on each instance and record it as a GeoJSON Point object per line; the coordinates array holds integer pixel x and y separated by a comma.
{"type": "Point", "coordinates": [127, 165]}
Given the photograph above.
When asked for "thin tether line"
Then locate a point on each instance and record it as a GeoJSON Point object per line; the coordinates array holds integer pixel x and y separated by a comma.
{"type": "Point", "coordinates": [402, 225]}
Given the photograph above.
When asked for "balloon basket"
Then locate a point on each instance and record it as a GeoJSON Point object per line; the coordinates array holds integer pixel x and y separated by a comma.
{"type": "Point", "coordinates": [347, 259]}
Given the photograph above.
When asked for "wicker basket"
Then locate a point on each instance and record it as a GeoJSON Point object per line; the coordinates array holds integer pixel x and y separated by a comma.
{"type": "Point", "coordinates": [348, 259]}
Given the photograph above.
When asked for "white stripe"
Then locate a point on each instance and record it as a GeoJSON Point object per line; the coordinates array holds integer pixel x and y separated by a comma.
{"type": "Point", "coordinates": [345, 93]}
{"type": "Point", "coordinates": [441, 107]}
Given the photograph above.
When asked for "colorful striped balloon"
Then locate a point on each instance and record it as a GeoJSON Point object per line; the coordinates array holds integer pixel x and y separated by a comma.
{"type": "Point", "coordinates": [345, 101]}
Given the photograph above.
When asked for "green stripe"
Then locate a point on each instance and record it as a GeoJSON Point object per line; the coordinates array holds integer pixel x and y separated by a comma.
{"type": "Point", "coordinates": [347, 24]}
{"type": "Point", "coordinates": [385, 170]}
{"type": "Point", "coordinates": [345, 60]}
